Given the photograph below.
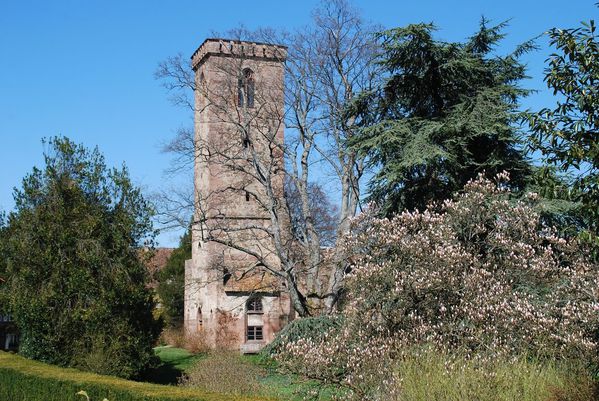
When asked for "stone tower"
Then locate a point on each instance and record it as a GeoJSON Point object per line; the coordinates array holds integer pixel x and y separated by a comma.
{"type": "Point", "coordinates": [230, 300]}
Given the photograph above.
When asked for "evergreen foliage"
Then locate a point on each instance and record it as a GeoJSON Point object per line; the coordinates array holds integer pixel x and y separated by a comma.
{"type": "Point", "coordinates": [75, 284]}
{"type": "Point", "coordinates": [313, 328]}
{"type": "Point", "coordinates": [567, 135]}
{"type": "Point", "coordinates": [557, 204]}
{"type": "Point", "coordinates": [171, 282]}
{"type": "Point", "coordinates": [444, 114]}
{"type": "Point", "coordinates": [3, 266]}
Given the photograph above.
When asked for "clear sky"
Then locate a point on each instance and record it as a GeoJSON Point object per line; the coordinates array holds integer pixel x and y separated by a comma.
{"type": "Point", "coordinates": [84, 68]}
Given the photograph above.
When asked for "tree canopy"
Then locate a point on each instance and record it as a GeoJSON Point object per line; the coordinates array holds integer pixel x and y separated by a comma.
{"type": "Point", "coordinates": [443, 115]}
{"type": "Point", "coordinates": [75, 283]}
{"type": "Point", "coordinates": [171, 282]}
{"type": "Point", "coordinates": [567, 134]}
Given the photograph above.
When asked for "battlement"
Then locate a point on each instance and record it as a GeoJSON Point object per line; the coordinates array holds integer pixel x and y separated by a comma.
{"type": "Point", "coordinates": [230, 295]}
{"type": "Point", "coordinates": [238, 49]}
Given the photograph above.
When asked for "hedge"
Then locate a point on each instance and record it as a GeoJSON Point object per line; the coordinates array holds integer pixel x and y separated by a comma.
{"type": "Point", "coordinates": [22, 379]}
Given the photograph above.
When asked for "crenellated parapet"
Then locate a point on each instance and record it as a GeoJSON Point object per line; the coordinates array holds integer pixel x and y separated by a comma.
{"type": "Point", "coordinates": [238, 49]}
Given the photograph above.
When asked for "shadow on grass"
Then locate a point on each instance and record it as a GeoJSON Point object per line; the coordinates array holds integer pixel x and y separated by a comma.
{"type": "Point", "coordinates": [173, 363]}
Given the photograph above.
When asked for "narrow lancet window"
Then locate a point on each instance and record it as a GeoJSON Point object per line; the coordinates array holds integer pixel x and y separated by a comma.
{"type": "Point", "coordinates": [246, 89]}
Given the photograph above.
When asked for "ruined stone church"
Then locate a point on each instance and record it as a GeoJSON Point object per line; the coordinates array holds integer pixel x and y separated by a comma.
{"type": "Point", "coordinates": [229, 298]}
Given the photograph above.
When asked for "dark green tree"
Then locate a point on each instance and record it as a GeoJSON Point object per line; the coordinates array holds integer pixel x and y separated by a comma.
{"type": "Point", "coordinates": [171, 282]}
{"type": "Point", "coordinates": [444, 114]}
{"type": "Point", "coordinates": [75, 281]}
{"type": "Point", "coordinates": [568, 135]}
{"type": "Point", "coordinates": [4, 304]}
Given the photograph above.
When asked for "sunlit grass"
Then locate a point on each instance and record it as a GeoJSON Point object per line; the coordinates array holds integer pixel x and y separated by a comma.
{"type": "Point", "coordinates": [22, 379]}
{"type": "Point", "coordinates": [432, 376]}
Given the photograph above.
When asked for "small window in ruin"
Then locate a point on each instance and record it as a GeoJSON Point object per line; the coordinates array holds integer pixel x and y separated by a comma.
{"type": "Point", "coordinates": [250, 91]}
{"type": "Point", "coordinates": [202, 85]}
{"type": "Point", "coordinates": [240, 94]}
{"type": "Point", "coordinates": [254, 305]}
{"type": "Point", "coordinates": [247, 196]}
{"type": "Point", "coordinates": [255, 333]}
{"type": "Point", "coordinates": [226, 276]}
{"type": "Point", "coordinates": [246, 89]}
{"type": "Point", "coordinates": [200, 319]}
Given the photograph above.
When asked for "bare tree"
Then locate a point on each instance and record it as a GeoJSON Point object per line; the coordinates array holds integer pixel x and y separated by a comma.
{"type": "Point", "coordinates": [327, 64]}
{"type": "Point", "coordinates": [323, 212]}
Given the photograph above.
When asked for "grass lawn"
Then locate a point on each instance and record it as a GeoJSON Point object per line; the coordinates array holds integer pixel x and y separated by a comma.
{"type": "Point", "coordinates": [287, 387]}
{"type": "Point", "coordinates": [173, 362]}
{"type": "Point", "coordinates": [179, 358]}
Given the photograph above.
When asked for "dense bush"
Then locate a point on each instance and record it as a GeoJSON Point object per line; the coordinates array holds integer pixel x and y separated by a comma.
{"type": "Point", "coordinates": [482, 277]}
{"type": "Point", "coordinates": [74, 281]}
{"type": "Point", "coordinates": [173, 336]}
{"type": "Point", "coordinates": [313, 328]}
{"type": "Point", "coordinates": [25, 380]}
{"type": "Point", "coordinates": [179, 337]}
{"type": "Point", "coordinates": [171, 282]}
{"type": "Point", "coordinates": [224, 372]}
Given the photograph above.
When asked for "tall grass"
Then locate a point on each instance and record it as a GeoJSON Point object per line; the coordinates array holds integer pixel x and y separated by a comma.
{"type": "Point", "coordinates": [430, 376]}
{"type": "Point", "coordinates": [225, 372]}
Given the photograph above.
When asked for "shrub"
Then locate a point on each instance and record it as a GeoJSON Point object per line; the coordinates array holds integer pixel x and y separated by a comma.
{"type": "Point", "coordinates": [178, 337]}
{"type": "Point", "coordinates": [73, 269]}
{"type": "Point", "coordinates": [195, 342]}
{"type": "Point", "coordinates": [25, 380]}
{"type": "Point", "coordinates": [482, 276]}
{"type": "Point", "coordinates": [174, 336]}
{"type": "Point", "coordinates": [224, 372]}
{"type": "Point", "coordinates": [171, 283]}
{"type": "Point", "coordinates": [313, 328]}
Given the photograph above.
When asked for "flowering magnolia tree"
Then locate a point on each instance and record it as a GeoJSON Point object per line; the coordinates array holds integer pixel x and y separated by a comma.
{"type": "Point", "coordinates": [480, 276]}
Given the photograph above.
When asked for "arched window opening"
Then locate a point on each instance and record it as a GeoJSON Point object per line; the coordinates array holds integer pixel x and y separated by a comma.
{"type": "Point", "coordinates": [246, 89]}
{"type": "Point", "coordinates": [254, 305]}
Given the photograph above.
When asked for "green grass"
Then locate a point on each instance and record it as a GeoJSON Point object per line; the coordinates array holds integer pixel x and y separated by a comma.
{"type": "Point", "coordinates": [291, 388]}
{"type": "Point", "coordinates": [22, 379]}
{"type": "Point", "coordinates": [173, 363]}
{"type": "Point", "coordinates": [178, 357]}
{"type": "Point", "coordinates": [287, 387]}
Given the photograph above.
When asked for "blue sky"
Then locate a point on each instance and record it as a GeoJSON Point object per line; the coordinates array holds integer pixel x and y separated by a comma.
{"type": "Point", "coordinates": [84, 68]}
